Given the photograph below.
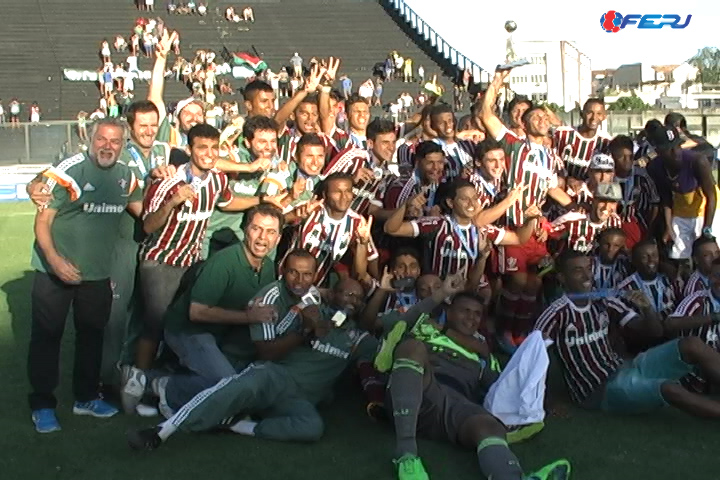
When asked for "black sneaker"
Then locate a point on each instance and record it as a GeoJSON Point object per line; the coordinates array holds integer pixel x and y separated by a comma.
{"type": "Point", "coordinates": [145, 439]}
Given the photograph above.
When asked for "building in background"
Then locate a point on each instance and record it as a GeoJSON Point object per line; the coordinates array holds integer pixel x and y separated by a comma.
{"type": "Point", "coordinates": [558, 73]}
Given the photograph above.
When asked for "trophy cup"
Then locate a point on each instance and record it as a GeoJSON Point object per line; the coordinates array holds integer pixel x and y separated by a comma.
{"type": "Point", "coordinates": [511, 59]}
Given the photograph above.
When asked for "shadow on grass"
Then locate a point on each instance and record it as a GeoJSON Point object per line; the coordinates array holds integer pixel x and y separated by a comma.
{"type": "Point", "coordinates": [17, 293]}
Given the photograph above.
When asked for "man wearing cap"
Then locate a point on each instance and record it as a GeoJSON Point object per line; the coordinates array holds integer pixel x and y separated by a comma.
{"type": "Point", "coordinates": [688, 194]}
{"type": "Point", "coordinates": [189, 112]}
{"type": "Point", "coordinates": [696, 143]}
{"type": "Point", "coordinates": [579, 230]}
{"type": "Point", "coordinates": [601, 169]}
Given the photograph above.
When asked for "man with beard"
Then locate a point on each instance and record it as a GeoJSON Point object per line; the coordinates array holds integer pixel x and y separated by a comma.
{"type": "Point", "coordinates": [596, 375]}
{"type": "Point", "coordinates": [529, 164]}
{"type": "Point", "coordinates": [334, 230]}
{"type": "Point", "coordinates": [189, 112]}
{"type": "Point", "coordinates": [75, 233]}
{"type": "Point", "coordinates": [176, 217]}
{"type": "Point", "coordinates": [452, 244]}
{"type": "Point", "coordinates": [254, 159]}
{"type": "Point", "coordinates": [424, 179]}
{"type": "Point", "coordinates": [369, 168]}
{"type": "Point", "coordinates": [300, 356]}
{"type": "Point", "coordinates": [578, 231]}
{"type": "Point", "coordinates": [577, 146]}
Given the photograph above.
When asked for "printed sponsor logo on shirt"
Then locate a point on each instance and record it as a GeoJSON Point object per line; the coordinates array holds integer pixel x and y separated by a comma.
{"type": "Point", "coordinates": [588, 338]}
{"type": "Point", "coordinates": [103, 208]}
{"type": "Point", "coordinates": [511, 263]}
{"type": "Point", "coordinates": [329, 349]}
{"type": "Point", "coordinates": [88, 187]}
{"type": "Point", "coordinates": [193, 217]}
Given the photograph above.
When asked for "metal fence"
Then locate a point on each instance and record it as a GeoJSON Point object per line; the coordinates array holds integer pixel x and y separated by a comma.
{"type": "Point", "coordinates": [37, 143]}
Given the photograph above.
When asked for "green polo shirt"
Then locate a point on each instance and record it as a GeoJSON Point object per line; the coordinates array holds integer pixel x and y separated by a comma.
{"type": "Point", "coordinates": [226, 281]}
{"type": "Point", "coordinates": [90, 203]}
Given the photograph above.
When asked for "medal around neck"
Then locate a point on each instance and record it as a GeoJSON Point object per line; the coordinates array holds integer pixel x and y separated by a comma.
{"type": "Point", "coordinates": [312, 297]}
{"type": "Point", "coordinates": [511, 58]}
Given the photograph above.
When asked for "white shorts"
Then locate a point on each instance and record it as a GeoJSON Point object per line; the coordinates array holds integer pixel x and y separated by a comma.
{"type": "Point", "coordinates": [684, 232]}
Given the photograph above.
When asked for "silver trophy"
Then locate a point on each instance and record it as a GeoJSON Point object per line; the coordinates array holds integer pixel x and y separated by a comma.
{"type": "Point", "coordinates": [511, 58]}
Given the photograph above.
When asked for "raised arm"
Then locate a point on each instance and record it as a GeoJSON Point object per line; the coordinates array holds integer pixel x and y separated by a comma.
{"type": "Point", "coordinates": [486, 115]}
{"type": "Point", "coordinates": [311, 84]}
{"type": "Point", "coordinates": [327, 119]}
{"type": "Point", "coordinates": [157, 80]}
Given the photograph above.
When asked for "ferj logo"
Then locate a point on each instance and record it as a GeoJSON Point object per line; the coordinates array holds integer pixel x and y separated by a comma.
{"type": "Point", "coordinates": [612, 21]}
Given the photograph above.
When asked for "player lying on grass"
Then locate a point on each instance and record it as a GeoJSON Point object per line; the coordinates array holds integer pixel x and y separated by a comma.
{"type": "Point", "coordinates": [594, 372]}
{"type": "Point", "coordinates": [311, 346]}
{"type": "Point", "coordinates": [438, 379]}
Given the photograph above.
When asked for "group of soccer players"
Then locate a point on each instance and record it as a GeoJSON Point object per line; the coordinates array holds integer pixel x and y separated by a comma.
{"type": "Point", "coordinates": [266, 261]}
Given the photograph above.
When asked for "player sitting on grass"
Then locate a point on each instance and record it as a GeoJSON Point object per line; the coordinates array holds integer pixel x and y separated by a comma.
{"type": "Point", "coordinates": [438, 379]}
{"type": "Point", "coordinates": [305, 350]}
{"type": "Point", "coordinates": [596, 375]}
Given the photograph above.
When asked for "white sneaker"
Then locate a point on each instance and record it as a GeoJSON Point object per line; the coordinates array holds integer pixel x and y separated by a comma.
{"type": "Point", "coordinates": [133, 388]}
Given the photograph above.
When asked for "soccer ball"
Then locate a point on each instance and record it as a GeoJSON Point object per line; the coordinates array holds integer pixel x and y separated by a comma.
{"type": "Point", "coordinates": [510, 26]}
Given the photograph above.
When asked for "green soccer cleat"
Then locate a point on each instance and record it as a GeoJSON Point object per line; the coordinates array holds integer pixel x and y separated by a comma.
{"type": "Point", "coordinates": [522, 433]}
{"type": "Point", "coordinates": [384, 357]}
{"type": "Point", "coordinates": [558, 470]}
{"type": "Point", "coordinates": [410, 467]}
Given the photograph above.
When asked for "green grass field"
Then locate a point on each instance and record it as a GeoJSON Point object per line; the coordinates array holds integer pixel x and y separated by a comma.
{"type": "Point", "coordinates": [666, 445]}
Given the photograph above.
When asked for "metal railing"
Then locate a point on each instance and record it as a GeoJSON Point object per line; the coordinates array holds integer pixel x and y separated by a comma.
{"type": "Point", "coordinates": [38, 143]}
{"type": "Point", "coordinates": [434, 39]}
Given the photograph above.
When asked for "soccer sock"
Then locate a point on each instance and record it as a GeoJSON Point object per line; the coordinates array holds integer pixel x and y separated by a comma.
{"type": "Point", "coordinates": [166, 429]}
{"type": "Point", "coordinates": [406, 391]}
{"type": "Point", "coordinates": [497, 461]}
{"type": "Point", "coordinates": [244, 427]}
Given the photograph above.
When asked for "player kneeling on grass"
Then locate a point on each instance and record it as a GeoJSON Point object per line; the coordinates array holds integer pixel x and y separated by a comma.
{"type": "Point", "coordinates": [305, 350]}
{"type": "Point", "coordinates": [596, 375]}
{"type": "Point", "coordinates": [438, 379]}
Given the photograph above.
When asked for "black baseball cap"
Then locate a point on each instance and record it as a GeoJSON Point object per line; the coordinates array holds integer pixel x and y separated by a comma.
{"type": "Point", "coordinates": [660, 136]}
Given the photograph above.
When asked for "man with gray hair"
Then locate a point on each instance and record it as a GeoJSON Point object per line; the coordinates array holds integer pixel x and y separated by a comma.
{"type": "Point", "coordinates": [75, 231]}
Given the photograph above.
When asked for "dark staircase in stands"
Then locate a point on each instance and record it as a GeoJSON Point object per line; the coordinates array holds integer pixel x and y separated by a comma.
{"type": "Point", "coordinates": [41, 37]}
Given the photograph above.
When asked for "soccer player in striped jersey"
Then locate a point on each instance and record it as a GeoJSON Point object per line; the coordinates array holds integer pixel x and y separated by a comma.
{"type": "Point", "coordinates": [579, 230]}
{"type": "Point", "coordinates": [452, 243]}
{"type": "Point", "coordinates": [639, 206]}
{"type": "Point", "coordinates": [408, 143]}
{"type": "Point", "coordinates": [516, 110]}
{"type": "Point", "coordinates": [576, 146]}
{"type": "Point", "coordinates": [424, 179]}
{"type": "Point", "coordinates": [699, 313]}
{"type": "Point", "coordinates": [358, 115]}
{"type": "Point", "coordinates": [596, 374]}
{"type": "Point", "coordinates": [369, 168]}
{"type": "Point", "coordinates": [610, 264]}
{"type": "Point", "coordinates": [458, 153]}
{"type": "Point", "coordinates": [657, 287]}
{"type": "Point", "coordinates": [175, 218]}
{"type": "Point", "coordinates": [704, 252]}
{"type": "Point", "coordinates": [334, 230]}
{"type": "Point", "coordinates": [528, 164]}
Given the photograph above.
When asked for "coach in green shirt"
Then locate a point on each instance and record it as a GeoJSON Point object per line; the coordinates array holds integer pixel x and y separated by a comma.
{"type": "Point", "coordinates": [75, 233]}
{"type": "Point", "coordinates": [217, 303]}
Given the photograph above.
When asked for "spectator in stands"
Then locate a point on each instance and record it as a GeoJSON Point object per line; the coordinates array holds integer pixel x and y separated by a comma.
{"type": "Point", "coordinates": [132, 63]}
{"type": "Point", "coordinates": [105, 51]}
{"type": "Point", "coordinates": [192, 6]}
{"type": "Point", "coordinates": [34, 113]}
{"type": "Point", "coordinates": [134, 44]}
{"type": "Point", "coordinates": [113, 109]}
{"type": "Point", "coordinates": [202, 9]}
{"type": "Point", "coordinates": [171, 7]}
{"type": "Point", "coordinates": [150, 5]}
{"type": "Point", "coordinates": [366, 90]}
{"type": "Point", "coordinates": [148, 44]}
{"type": "Point", "coordinates": [120, 43]}
{"type": "Point", "coordinates": [346, 84]}
{"type": "Point", "coordinates": [399, 63]}
{"type": "Point", "coordinates": [2, 113]}
{"type": "Point", "coordinates": [82, 126]}
{"type": "Point", "coordinates": [297, 63]}
{"type": "Point", "coordinates": [248, 15]}
{"type": "Point", "coordinates": [284, 82]}
{"type": "Point", "coordinates": [408, 71]}
{"type": "Point", "coordinates": [176, 44]}
{"type": "Point", "coordinates": [421, 74]}
{"type": "Point", "coordinates": [377, 97]}
{"type": "Point", "coordinates": [389, 68]}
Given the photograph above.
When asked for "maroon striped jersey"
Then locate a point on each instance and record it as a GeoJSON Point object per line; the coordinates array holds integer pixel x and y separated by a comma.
{"type": "Point", "coordinates": [579, 231]}
{"type": "Point", "coordinates": [342, 139]}
{"type": "Point", "coordinates": [581, 336]}
{"type": "Point", "coordinates": [349, 161]}
{"type": "Point", "coordinates": [701, 303]}
{"type": "Point", "coordinates": [403, 189]}
{"type": "Point", "coordinates": [449, 248]}
{"type": "Point", "coordinates": [609, 276]}
{"type": "Point", "coordinates": [489, 192]}
{"type": "Point", "coordinates": [639, 196]}
{"type": "Point", "coordinates": [527, 164]}
{"type": "Point", "coordinates": [696, 283]}
{"type": "Point", "coordinates": [329, 239]}
{"type": "Point", "coordinates": [179, 241]}
{"type": "Point", "coordinates": [458, 156]}
{"type": "Point", "coordinates": [288, 140]}
{"type": "Point", "coordinates": [661, 292]}
{"type": "Point", "coordinates": [576, 151]}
